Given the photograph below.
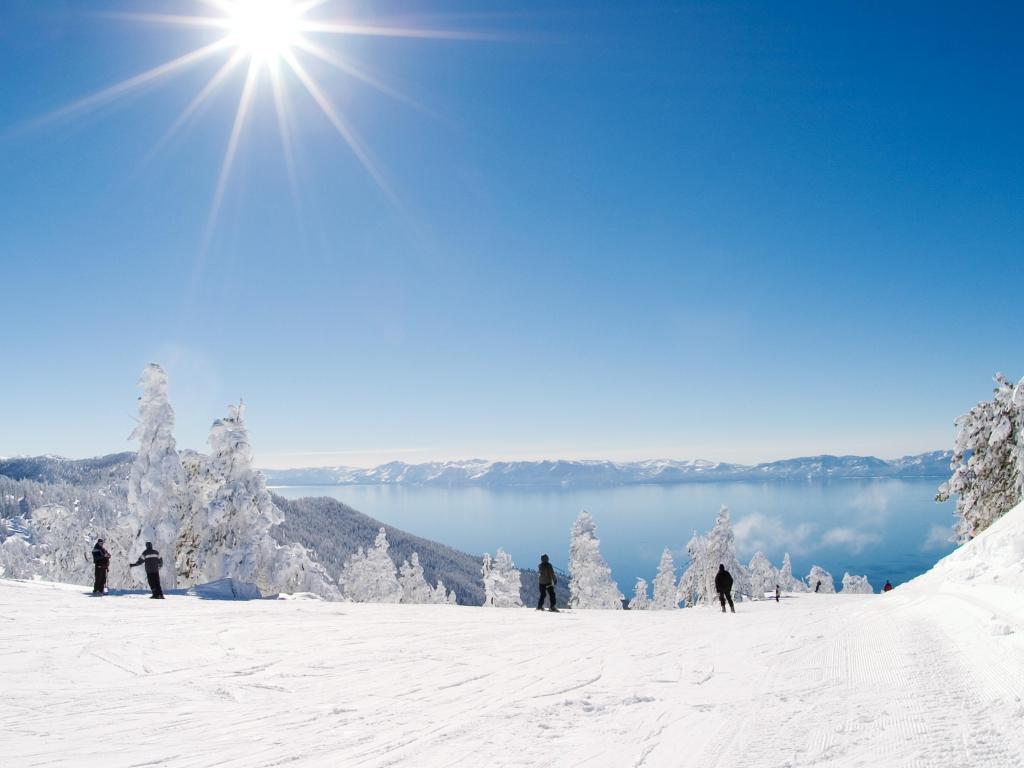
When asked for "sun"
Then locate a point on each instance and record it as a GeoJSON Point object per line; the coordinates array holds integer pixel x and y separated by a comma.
{"type": "Point", "coordinates": [264, 30]}
{"type": "Point", "coordinates": [271, 41]}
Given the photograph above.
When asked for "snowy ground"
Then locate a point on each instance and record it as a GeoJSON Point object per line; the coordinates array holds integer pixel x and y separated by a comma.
{"type": "Point", "coordinates": [929, 675]}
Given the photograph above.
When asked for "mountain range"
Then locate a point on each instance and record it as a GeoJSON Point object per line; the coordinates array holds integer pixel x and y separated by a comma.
{"type": "Point", "coordinates": [564, 473]}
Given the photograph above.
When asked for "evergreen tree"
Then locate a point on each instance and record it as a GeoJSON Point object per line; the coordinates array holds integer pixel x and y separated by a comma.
{"type": "Point", "coordinates": [666, 595]}
{"type": "Point", "coordinates": [502, 582]}
{"type": "Point", "coordinates": [414, 587]}
{"type": "Point", "coordinates": [640, 601]}
{"type": "Point", "coordinates": [369, 577]}
{"type": "Point", "coordinates": [697, 584]}
{"type": "Point", "coordinates": [590, 584]}
{"type": "Point", "coordinates": [856, 585]}
{"type": "Point", "coordinates": [819, 574]}
{"type": "Point", "coordinates": [988, 460]}
{"type": "Point", "coordinates": [156, 481]}
{"type": "Point", "coordinates": [787, 581]}
{"type": "Point", "coordinates": [721, 550]}
{"type": "Point", "coordinates": [440, 595]}
{"type": "Point", "coordinates": [763, 576]}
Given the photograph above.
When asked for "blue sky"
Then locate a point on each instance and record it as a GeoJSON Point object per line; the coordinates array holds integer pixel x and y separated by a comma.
{"type": "Point", "coordinates": [739, 231]}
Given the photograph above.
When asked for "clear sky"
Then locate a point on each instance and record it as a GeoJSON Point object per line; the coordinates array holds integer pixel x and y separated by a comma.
{"type": "Point", "coordinates": [737, 231]}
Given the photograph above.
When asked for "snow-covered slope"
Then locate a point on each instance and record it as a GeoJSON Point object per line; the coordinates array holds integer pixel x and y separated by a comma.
{"type": "Point", "coordinates": [931, 674]}
{"type": "Point", "coordinates": [591, 473]}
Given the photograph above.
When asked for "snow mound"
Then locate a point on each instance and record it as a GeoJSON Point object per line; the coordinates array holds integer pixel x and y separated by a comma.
{"type": "Point", "coordinates": [226, 589]}
{"type": "Point", "coordinates": [995, 556]}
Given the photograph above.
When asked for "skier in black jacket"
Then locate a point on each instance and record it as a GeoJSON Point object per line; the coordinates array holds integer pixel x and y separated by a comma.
{"type": "Point", "coordinates": [101, 562]}
{"type": "Point", "coordinates": [723, 585]}
{"type": "Point", "coordinates": [153, 563]}
{"type": "Point", "coordinates": [547, 579]}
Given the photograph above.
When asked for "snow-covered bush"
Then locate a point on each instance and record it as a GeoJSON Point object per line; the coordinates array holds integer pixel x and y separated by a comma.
{"type": "Point", "coordinates": [502, 581]}
{"type": "Point", "coordinates": [156, 482]}
{"type": "Point", "coordinates": [856, 585]}
{"type": "Point", "coordinates": [787, 581]}
{"type": "Point", "coordinates": [640, 601]}
{"type": "Point", "coordinates": [763, 576]}
{"type": "Point", "coordinates": [590, 584]}
{"type": "Point", "coordinates": [369, 577]}
{"type": "Point", "coordinates": [414, 587]}
{"type": "Point", "coordinates": [666, 595]}
{"type": "Point", "coordinates": [820, 575]}
{"type": "Point", "coordinates": [988, 460]}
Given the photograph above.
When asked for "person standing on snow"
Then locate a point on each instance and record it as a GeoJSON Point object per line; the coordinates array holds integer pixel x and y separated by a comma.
{"type": "Point", "coordinates": [153, 563]}
{"type": "Point", "coordinates": [723, 585]}
{"type": "Point", "coordinates": [887, 587]}
{"type": "Point", "coordinates": [547, 579]}
{"type": "Point", "coordinates": [777, 593]}
{"type": "Point", "coordinates": [101, 562]}
{"type": "Point", "coordinates": [817, 586]}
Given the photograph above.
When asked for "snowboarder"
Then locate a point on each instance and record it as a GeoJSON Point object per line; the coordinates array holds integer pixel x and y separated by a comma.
{"type": "Point", "coordinates": [887, 587]}
{"type": "Point", "coordinates": [101, 561]}
{"type": "Point", "coordinates": [723, 585]}
{"type": "Point", "coordinates": [777, 593]}
{"type": "Point", "coordinates": [547, 579]}
{"type": "Point", "coordinates": [817, 586]}
{"type": "Point", "coordinates": [153, 563]}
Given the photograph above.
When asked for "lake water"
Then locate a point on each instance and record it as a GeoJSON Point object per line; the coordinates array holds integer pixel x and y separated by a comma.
{"type": "Point", "coordinates": [886, 529]}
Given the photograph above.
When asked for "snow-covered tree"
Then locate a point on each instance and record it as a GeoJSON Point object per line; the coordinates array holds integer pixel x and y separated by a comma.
{"type": "Point", "coordinates": [414, 587]}
{"type": "Point", "coordinates": [369, 577]}
{"type": "Point", "coordinates": [440, 595]}
{"type": "Point", "coordinates": [666, 594]}
{"type": "Point", "coordinates": [787, 581]}
{"type": "Point", "coordinates": [722, 551]}
{"type": "Point", "coordinates": [590, 584]}
{"type": "Point", "coordinates": [156, 481]}
{"type": "Point", "coordinates": [763, 576]}
{"type": "Point", "coordinates": [856, 585]}
{"type": "Point", "coordinates": [697, 584]}
{"type": "Point", "coordinates": [502, 581]}
{"type": "Point", "coordinates": [988, 460]}
{"type": "Point", "coordinates": [819, 574]}
{"type": "Point", "coordinates": [640, 601]}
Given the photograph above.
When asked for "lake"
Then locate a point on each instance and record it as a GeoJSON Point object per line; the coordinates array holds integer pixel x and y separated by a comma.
{"type": "Point", "coordinates": [885, 529]}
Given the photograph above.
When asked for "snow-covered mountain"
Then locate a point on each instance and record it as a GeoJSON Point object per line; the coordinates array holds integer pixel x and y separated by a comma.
{"type": "Point", "coordinates": [590, 473]}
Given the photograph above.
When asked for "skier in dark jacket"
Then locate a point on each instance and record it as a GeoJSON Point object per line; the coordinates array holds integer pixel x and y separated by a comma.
{"type": "Point", "coordinates": [547, 579]}
{"type": "Point", "coordinates": [101, 562]}
{"type": "Point", "coordinates": [153, 562]}
{"type": "Point", "coordinates": [888, 586]}
{"type": "Point", "coordinates": [777, 593]}
{"type": "Point", "coordinates": [817, 586]}
{"type": "Point", "coordinates": [723, 585]}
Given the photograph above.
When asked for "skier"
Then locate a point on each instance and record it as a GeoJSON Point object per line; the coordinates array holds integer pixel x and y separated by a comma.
{"type": "Point", "coordinates": [817, 586]}
{"type": "Point", "coordinates": [723, 585]}
{"type": "Point", "coordinates": [101, 561]}
{"type": "Point", "coordinates": [153, 563]}
{"type": "Point", "coordinates": [776, 593]}
{"type": "Point", "coordinates": [547, 579]}
{"type": "Point", "coordinates": [887, 587]}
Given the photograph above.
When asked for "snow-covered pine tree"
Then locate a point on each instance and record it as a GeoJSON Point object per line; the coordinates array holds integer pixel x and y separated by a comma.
{"type": "Point", "coordinates": [369, 577]}
{"type": "Point", "coordinates": [502, 581]}
{"type": "Point", "coordinates": [820, 574]}
{"type": "Point", "coordinates": [787, 581]}
{"type": "Point", "coordinates": [988, 460]}
{"type": "Point", "coordinates": [721, 543]}
{"type": "Point", "coordinates": [640, 601]}
{"type": "Point", "coordinates": [590, 584]}
{"type": "Point", "coordinates": [694, 585]}
{"type": "Point", "coordinates": [856, 585]}
{"type": "Point", "coordinates": [666, 594]}
{"type": "Point", "coordinates": [414, 587]}
{"type": "Point", "coordinates": [440, 595]}
{"type": "Point", "coordinates": [763, 576]}
{"type": "Point", "coordinates": [156, 482]}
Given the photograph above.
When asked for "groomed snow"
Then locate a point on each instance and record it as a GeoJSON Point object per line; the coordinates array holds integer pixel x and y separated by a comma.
{"type": "Point", "coordinates": [931, 674]}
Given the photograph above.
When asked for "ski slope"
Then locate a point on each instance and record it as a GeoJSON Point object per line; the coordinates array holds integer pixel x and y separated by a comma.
{"type": "Point", "coordinates": [931, 674]}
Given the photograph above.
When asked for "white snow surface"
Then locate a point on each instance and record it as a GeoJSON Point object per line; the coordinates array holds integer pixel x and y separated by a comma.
{"type": "Point", "coordinates": [930, 674]}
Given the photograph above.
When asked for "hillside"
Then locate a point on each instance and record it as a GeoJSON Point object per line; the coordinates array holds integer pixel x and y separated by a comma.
{"type": "Point", "coordinates": [930, 675]}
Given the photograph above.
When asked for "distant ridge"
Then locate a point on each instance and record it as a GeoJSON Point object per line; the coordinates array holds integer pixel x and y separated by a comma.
{"type": "Point", "coordinates": [562, 473]}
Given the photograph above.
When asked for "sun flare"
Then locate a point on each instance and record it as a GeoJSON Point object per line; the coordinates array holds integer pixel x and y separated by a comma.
{"type": "Point", "coordinates": [264, 30]}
